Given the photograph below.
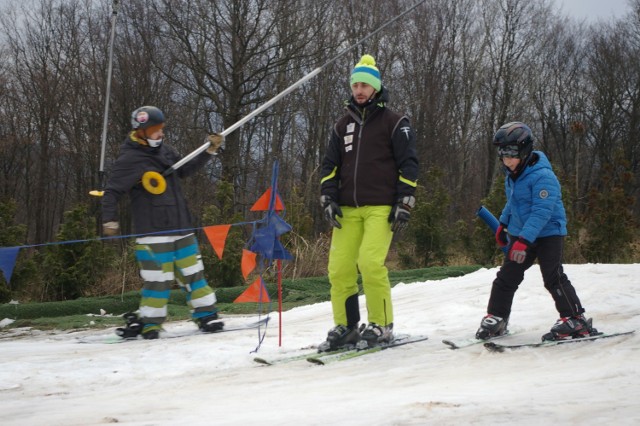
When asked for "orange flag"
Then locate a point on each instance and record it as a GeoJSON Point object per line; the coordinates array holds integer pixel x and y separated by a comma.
{"type": "Point", "coordinates": [262, 205]}
{"type": "Point", "coordinates": [217, 236]}
{"type": "Point", "coordinates": [248, 262]}
{"type": "Point", "coordinates": [255, 293]}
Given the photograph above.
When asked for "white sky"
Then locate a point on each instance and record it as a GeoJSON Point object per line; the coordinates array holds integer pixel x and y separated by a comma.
{"type": "Point", "coordinates": [594, 10]}
{"type": "Point", "coordinates": [50, 379]}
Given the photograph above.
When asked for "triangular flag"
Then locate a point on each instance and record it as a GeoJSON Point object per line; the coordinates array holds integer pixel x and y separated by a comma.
{"type": "Point", "coordinates": [279, 225]}
{"type": "Point", "coordinates": [279, 252]}
{"type": "Point", "coordinates": [8, 257]}
{"type": "Point", "coordinates": [263, 241]}
{"type": "Point", "coordinates": [256, 293]}
{"type": "Point", "coordinates": [248, 262]}
{"type": "Point", "coordinates": [217, 236]}
{"type": "Point", "coordinates": [262, 205]}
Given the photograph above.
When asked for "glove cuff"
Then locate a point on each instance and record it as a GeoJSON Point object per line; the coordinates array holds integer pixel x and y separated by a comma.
{"type": "Point", "coordinates": [325, 200]}
{"type": "Point", "coordinates": [525, 242]}
{"type": "Point", "coordinates": [408, 201]}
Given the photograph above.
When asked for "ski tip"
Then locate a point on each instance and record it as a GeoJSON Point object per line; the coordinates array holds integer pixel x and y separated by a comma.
{"type": "Point", "coordinates": [450, 344]}
{"type": "Point", "coordinates": [316, 361]}
{"type": "Point", "coordinates": [493, 347]}
{"type": "Point", "coordinates": [261, 361]}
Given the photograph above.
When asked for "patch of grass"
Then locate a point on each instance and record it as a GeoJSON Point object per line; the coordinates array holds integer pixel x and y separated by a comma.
{"type": "Point", "coordinates": [83, 313]}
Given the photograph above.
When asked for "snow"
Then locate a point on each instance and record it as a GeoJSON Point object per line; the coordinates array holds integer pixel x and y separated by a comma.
{"type": "Point", "coordinates": [49, 378]}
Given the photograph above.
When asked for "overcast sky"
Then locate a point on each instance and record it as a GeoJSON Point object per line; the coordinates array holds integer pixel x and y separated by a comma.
{"type": "Point", "coordinates": [594, 10]}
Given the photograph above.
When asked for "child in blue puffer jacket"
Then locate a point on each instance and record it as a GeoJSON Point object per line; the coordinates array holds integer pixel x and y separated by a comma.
{"type": "Point", "coordinates": [533, 225]}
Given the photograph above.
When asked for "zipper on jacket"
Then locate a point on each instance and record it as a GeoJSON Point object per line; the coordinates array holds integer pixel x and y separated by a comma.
{"type": "Point", "coordinates": [355, 171]}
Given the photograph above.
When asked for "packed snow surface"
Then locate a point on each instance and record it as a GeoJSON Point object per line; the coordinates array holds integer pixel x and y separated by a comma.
{"type": "Point", "coordinates": [52, 379]}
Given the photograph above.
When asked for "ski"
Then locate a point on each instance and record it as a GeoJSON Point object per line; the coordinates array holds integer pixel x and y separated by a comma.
{"type": "Point", "coordinates": [302, 356]}
{"type": "Point", "coordinates": [323, 359]}
{"type": "Point", "coordinates": [112, 338]}
{"type": "Point", "coordinates": [496, 347]}
{"type": "Point", "coordinates": [306, 355]}
{"type": "Point", "coordinates": [463, 343]}
{"type": "Point", "coordinates": [347, 352]}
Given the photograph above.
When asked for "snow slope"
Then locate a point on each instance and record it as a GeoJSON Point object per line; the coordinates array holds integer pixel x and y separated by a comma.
{"type": "Point", "coordinates": [50, 379]}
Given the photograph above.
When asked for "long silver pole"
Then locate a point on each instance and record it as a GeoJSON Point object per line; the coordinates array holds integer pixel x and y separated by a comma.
{"type": "Point", "coordinates": [288, 90]}
{"type": "Point", "coordinates": [105, 121]}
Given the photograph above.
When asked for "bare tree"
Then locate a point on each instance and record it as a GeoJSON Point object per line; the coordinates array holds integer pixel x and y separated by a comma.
{"type": "Point", "coordinates": [512, 27]}
{"type": "Point", "coordinates": [40, 59]}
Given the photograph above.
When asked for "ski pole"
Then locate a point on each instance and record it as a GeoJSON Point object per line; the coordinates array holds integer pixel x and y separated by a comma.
{"type": "Point", "coordinates": [105, 121]}
{"type": "Point", "coordinates": [285, 92]}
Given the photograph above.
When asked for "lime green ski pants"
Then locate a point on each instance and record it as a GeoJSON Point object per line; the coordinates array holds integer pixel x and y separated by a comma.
{"type": "Point", "coordinates": [362, 244]}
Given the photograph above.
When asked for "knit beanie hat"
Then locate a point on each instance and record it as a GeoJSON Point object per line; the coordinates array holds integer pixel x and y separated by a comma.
{"type": "Point", "coordinates": [365, 71]}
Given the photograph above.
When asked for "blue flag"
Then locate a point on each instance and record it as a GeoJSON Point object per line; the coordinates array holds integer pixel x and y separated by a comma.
{"type": "Point", "coordinates": [8, 257]}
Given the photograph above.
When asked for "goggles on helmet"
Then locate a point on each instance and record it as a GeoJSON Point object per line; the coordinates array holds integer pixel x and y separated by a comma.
{"type": "Point", "coordinates": [508, 151]}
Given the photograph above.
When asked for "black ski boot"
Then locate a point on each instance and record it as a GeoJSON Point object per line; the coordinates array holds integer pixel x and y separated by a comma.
{"type": "Point", "coordinates": [339, 337]}
{"type": "Point", "coordinates": [570, 328]}
{"type": "Point", "coordinates": [133, 326]}
{"type": "Point", "coordinates": [209, 324]}
{"type": "Point", "coordinates": [375, 334]}
{"type": "Point", "coordinates": [151, 332]}
{"type": "Point", "coordinates": [492, 326]}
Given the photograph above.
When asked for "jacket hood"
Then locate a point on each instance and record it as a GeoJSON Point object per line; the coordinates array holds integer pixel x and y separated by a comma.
{"type": "Point", "coordinates": [536, 160]}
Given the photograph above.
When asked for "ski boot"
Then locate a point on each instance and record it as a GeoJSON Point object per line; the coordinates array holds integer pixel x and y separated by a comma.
{"type": "Point", "coordinates": [492, 326]}
{"type": "Point", "coordinates": [209, 324]}
{"type": "Point", "coordinates": [339, 337]}
{"type": "Point", "coordinates": [151, 331]}
{"type": "Point", "coordinates": [133, 326]}
{"type": "Point", "coordinates": [570, 328]}
{"type": "Point", "coordinates": [375, 334]}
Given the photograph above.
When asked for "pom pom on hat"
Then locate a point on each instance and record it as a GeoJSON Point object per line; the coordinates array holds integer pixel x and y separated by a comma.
{"type": "Point", "coordinates": [365, 71]}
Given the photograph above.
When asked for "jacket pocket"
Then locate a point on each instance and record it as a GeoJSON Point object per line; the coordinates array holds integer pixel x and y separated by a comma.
{"type": "Point", "coordinates": [164, 212]}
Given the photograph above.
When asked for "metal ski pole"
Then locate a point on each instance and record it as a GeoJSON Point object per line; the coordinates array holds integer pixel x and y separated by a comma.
{"type": "Point", "coordinates": [285, 92]}
{"type": "Point", "coordinates": [105, 122]}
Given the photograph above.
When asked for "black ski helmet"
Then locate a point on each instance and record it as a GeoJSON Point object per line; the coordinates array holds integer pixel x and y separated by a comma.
{"type": "Point", "coordinates": [145, 117]}
{"type": "Point", "coordinates": [515, 134]}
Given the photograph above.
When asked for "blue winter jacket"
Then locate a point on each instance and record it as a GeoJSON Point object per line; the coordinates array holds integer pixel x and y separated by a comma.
{"type": "Point", "coordinates": [534, 206]}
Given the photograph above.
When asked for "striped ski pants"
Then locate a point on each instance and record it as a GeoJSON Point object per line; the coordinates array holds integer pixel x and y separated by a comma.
{"type": "Point", "coordinates": [164, 260]}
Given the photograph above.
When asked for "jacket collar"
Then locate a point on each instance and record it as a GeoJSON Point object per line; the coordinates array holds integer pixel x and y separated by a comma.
{"type": "Point", "coordinates": [375, 104]}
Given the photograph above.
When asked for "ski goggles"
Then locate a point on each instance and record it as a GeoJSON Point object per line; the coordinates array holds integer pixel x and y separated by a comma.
{"type": "Point", "coordinates": [508, 151]}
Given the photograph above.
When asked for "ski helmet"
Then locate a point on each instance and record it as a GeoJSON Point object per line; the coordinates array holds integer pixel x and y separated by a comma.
{"type": "Point", "coordinates": [517, 135]}
{"type": "Point", "coordinates": [145, 117]}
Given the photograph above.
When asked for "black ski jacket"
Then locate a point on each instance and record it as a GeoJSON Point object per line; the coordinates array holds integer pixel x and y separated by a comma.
{"type": "Point", "coordinates": [371, 158]}
{"type": "Point", "coordinates": [151, 213]}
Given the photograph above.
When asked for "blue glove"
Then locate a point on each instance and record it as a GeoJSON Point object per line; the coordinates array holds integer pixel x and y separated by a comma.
{"type": "Point", "coordinates": [331, 210]}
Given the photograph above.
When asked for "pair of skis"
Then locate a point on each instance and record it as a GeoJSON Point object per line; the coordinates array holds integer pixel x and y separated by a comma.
{"type": "Point", "coordinates": [350, 352]}
{"type": "Point", "coordinates": [492, 346]}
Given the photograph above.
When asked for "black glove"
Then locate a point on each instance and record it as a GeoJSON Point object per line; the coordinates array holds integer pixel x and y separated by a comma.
{"type": "Point", "coordinates": [331, 210]}
{"type": "Point", "coordinates": [401, 212]}
{"type": "Point", "coordinates": [501, 235]}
